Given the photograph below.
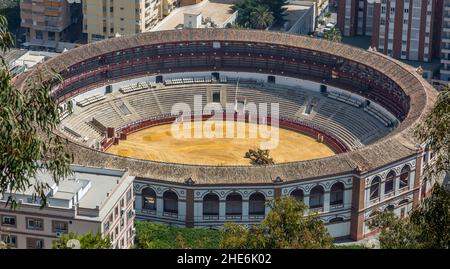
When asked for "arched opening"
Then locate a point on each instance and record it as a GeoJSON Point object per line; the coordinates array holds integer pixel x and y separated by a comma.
{"type": "Point", "coordinates": [389, 208]}
{"type": "Point", "coordinates": [170, 201]}
{"type": "Point", "coordinates": [404, 176]}
{"type": "Point", "coordinates": [257, 204]}
{"type": "Point", "coordinates": [337, 219]}
{"type": "Point", "coordinates": [148, 199]}
{"type": "Point", "coordinates": [298, 194]}
{"type": "Point", "coordinates": [389, 183]}
{"type": "Point", "coordinates": [337, 194]}
{"type": "Point", "coordinates": [375, 188]}
{"type": "Point", "coordinates": [211, 206]}
{"type": "Point", "coordinates": [316, 197]}
{"type": "Point", "coordinates": [233, 205]}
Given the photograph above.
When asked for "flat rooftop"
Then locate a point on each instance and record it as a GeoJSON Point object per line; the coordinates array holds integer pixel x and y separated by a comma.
{"type": "Point", "coordinates": [218, 10]}
{"type": "Point", "coordinates": [92, 185]}
{"type": "Point", "coordinates": [295, 11]}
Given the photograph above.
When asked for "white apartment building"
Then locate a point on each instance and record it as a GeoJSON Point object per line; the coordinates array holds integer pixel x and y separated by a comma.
{"type": "Point", "coordinates": [90, 200]}
{"type": "Point", "coordinates": [103, 19]}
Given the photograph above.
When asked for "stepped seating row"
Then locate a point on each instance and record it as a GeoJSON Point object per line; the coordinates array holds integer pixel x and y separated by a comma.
{"type": "Point", "coordinates": [91, 100]}
{"type": "Point", "coordinates": [378, 115]}
{"type": "Point", "coordinates": [345, 98]}
{"type": "Point", "coordinates": [347, 122]}
{"type": "Point", "coordinates": [64, 114]}
{"type": "Point", "coordinates": [190, 80]}
{"type": "Point", "coordinates": [123, 108]}
{"type": "Point", "coordinates": [137, 87]}
{"type": "Point", "coordinates": [144, 104]}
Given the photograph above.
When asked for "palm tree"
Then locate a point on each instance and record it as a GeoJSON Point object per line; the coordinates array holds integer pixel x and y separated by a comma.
{"type": "Point", "coordinates": [261, 18]}
{"type": "Point", "coordinates": [333, 35]}
{"type": "Point", "coordinates": [259, 157]}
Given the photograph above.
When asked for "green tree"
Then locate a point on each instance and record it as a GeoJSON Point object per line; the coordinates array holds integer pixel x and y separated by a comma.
{"type": "Point", "coordinates": [261, 18]}
{"type": "Point", "coordinates": [244, 9]}
{"type": "Point", "coordinates": [277, 7]}
{"type": "Point", "coordinates": [286, 226]}
{"type": "Point", "coordinates": [259, 157]}
{"type": "Point", "coordinates": [428, 225]}
{"type": "Point", "coordinates": [150, 235]}
{"type": "Point", "coordinates": [435, 132]}
{"type": "Point", "coordinates": [86, 241]}
{"type": "Point", "coordinates": [27, 141]}
{"type": "Point", "coordinates": [247, 8]}
{"type": "Point", "coordinates": [333, 35]}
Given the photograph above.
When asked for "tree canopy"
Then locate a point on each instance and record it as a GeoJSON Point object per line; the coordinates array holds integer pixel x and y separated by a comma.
{"type": "Point", "coordinates": [259, 14]}
{"type": "Point", "coordinates": [435, 132]}
{"type": "Point", "coordinates": [285, 227]}
{"type": "Point", "coordinates": [85, 241]}
{"type": "Point", "coordinates": [333, 35]}
{"type": "Point", "coordinates": [28, 144]}
{"type": "Point", "coordinates": [150, 235]}
{"type": "Point", "coordinates": [428, 225]}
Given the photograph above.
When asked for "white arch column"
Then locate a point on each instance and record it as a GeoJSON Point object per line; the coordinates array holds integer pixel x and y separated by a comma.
{"type": "Point", "coordinates": [245, 208]}
{"type": "Point", "coordinates": [222, 209]}
{"type": "Point", "coordinates": [138, 201]}
{"type": "Point", "coordinates": [326, 201]}
{"type": "Point", "coordinates": [159, 206]}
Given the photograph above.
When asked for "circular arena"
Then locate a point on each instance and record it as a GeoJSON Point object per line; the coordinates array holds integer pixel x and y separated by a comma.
{"type": "Point", "coordinates": [345, 122]}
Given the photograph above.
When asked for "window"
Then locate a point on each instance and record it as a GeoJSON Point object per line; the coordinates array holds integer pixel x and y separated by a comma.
{"type": "Point", "coordinates": [130, 215]}
{"type": "Point", "coordinates": [148, 199]}
{"type": "Point", "coordinates": [35, 224]}
{"type": "Point", "coordinates": [316, 197]}
{"type": "Point", "coordinates": [51, 36]}
{"type": "Point", "coordinates": [170, 202]}
{"type": "Point", "coordinates": [389, 184]}
{"type": "Point", "coordinates": [39, 35]}
{"type": "Point", "coordinates": [375, 188]}
{"type": "Point", "coordinates": [337, 194]}
{"type": "Point", "coordinates": [404, 176]}
{"type": "Point", "coordinates": [256, 204]}
{"type": "Point", "coordinates": [234, 204]}
{"type": "Point", "coordinates": [35, 243]}
{"type": "Point", "coordinates": [211, 205]}
{"type": "Point", "coordinates": [9, 221]}
{"type": "Point", "coordinates": [10, 240]}
{"type": "Point", "coordinates": [216, 97]}
{"type": "Point", "coordinates": [298, 194]}
{"type": "Point", "coordinates": [60, 226]}
{"type": "Point", "coordinates": [129, 195]}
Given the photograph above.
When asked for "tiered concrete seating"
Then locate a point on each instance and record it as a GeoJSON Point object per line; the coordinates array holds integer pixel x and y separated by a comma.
{"type": "Point", "coordinates": [345, 98]}
{"type": "Point", "coordinates": [136, 87]}
{"type": "Point", "coordinates": [350, 123]}
{"type": "Point", "coordinates": [378, 115]}
{"type": "Point", "coordinates": [144, 104]}
{"type": "Point", "coordinates": [90, 100]}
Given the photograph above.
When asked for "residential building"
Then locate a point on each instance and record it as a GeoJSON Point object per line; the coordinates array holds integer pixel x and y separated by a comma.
{"type": "Point", "coordinates": [444, 77]}
{"type": "Point", "coordinates": [403, 29]}
{"type": "Point", "coordinates": [90, 200]}
{"type": "Point", "coordinates": [48, 22]}
{"type": "Point", "coordinates": [103, 19]}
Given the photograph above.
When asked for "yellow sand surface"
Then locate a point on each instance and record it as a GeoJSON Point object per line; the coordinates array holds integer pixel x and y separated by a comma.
{"type": "Point", "coordinates": [159, 144]}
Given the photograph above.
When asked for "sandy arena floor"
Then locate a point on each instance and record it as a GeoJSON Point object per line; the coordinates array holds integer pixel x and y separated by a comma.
{"type": "Point", "coordinates": [158, 144]}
